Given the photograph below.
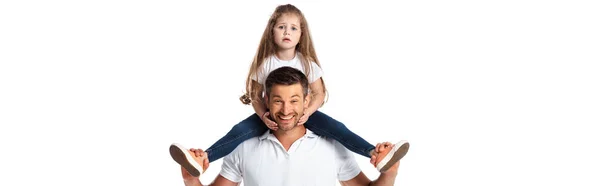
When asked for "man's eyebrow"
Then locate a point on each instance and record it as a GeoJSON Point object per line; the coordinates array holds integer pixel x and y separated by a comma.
{"type": "Point", "coordinates": [278, 96]}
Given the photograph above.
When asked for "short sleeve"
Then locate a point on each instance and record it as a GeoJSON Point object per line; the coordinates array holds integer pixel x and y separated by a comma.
{"type": "Point", "coordinates": [315, 72]}
{"type": "Point", "coordinates": [255, 76]}
{"type": "Point", "coordinates": [260, 76]}
{"type": "Point", "coordinates": [346, 163]}
{"type": "Point", "coordinates": [231, 167]}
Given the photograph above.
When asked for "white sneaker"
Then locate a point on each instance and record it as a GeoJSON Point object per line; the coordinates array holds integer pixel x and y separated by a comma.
{"type": "Point", "coordinates": [394, 155]}
{"type": "Point", "coordinates": [182, 156]}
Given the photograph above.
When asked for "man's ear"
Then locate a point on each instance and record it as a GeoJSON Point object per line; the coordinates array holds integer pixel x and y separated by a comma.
{"type": "Point", "coordinates": [306, 101]}
{"type": "Point", "coordinates": [266, 98]}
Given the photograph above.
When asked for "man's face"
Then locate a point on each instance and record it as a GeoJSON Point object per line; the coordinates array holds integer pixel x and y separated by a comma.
{"type": "Point", "coordinates": [286, 104]}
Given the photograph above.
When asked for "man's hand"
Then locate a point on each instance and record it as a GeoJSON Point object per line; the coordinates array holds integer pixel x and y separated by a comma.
{"type": "Point", "coordinates": [201, 157]}
{"type": "Point", "coordinates": [393, 170]}
{"type": "Point", "coordinates": [386, 178]}
{"type": "Point", "coordinates": [270, 123]}
{"type": "Point", "coordinates": [187, 177]}
{"type": "Point", "coordinates": [379, 148]}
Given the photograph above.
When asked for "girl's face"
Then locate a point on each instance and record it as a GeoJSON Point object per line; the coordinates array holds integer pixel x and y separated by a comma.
{"type": "Point", "coordinates": [287, 31]}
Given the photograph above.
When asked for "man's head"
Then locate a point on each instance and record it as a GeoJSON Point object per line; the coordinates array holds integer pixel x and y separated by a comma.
{"type": "Point", "coordinates": [287, 96]}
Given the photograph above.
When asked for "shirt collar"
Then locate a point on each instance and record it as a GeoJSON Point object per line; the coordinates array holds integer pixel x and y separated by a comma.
{"type": "Point", "coordinates": [269, 135]}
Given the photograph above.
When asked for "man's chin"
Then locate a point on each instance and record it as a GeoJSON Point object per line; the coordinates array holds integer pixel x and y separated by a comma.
{"type": "Point", "coordinates": [286, 126]}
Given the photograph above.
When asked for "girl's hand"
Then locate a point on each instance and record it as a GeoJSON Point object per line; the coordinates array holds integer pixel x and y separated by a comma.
{"type": "Point", "coordinates": [304, 118]}
{"type": "Point", "coordinates": [270, 123]}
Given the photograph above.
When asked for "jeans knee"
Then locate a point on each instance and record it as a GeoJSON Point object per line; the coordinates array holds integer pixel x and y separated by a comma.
{"type": "Point", "coordinates": [249, 124]}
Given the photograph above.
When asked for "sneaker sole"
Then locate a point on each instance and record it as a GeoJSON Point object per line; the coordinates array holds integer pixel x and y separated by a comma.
{"type": "Point", "coordinates": [183, 158]}
{"type": "Point", "coordinates": [391, 159]}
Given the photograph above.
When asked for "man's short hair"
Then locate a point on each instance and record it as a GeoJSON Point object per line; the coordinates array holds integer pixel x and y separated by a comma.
{"type": "Point", "coordinates": [286, 76]}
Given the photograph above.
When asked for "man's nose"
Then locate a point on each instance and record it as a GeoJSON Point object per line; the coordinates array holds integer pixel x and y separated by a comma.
{"type": "Point", "coordinates": [287, 109]}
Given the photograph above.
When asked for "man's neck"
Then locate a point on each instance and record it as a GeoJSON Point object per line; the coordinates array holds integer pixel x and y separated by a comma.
{"type": "Point", "coordinates": [287, 138]}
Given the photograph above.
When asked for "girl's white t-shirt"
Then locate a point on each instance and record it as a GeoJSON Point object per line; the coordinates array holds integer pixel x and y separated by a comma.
{"type": "Point", "coordinates": [273, 63]}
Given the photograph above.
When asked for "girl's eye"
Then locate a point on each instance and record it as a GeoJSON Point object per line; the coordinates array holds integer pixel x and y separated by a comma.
{"type": "Point", "coordinates": [280, 27]}
{"type": "Point", "coordinates": [294, 28]}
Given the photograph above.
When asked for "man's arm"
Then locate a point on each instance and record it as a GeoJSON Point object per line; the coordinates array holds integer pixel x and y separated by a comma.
{"type": "Point", "coordinates": [384, 179]}
{"type": "Point", "coordinates": [190, 180]}
{"type": "Point", "coordinates": [219, 181]}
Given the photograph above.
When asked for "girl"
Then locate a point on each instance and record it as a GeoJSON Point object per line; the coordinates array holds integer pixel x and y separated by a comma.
{"type": "Point", "coordinates": [286, 41]}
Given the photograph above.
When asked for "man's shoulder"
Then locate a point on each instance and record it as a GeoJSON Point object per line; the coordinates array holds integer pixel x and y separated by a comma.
{"type": "Point", "coordinates": [249, 144]}
{"type": "Point", "coordinates": [326, 140]}
{"type": "Point", "coordinates": [337, 146]}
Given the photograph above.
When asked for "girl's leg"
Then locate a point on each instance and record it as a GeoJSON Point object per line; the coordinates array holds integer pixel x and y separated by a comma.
{"type": "Point", "coordinates": [323, 125]}
{"type": "Point", "coordinates": [250, 127]}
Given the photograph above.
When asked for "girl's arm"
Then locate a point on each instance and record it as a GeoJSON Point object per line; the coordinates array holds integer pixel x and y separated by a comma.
{"type": "Point", "coordinates": [259, 108]}
{"type": "Point", "coordinates": [317, 96]}
{"type": "Point", "coordinates": [258, 103]}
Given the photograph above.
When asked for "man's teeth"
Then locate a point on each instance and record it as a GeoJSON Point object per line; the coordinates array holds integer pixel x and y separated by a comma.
{"type": "Point", "coordinates": [288, 117]}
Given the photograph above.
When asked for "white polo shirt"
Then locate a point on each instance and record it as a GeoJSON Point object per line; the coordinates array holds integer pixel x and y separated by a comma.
{"type": "Point", "coordinates": [311, 160]}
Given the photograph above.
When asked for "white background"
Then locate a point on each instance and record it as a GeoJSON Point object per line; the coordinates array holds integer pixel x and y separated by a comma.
{"type": "Point", "coordinates": [487, 92]}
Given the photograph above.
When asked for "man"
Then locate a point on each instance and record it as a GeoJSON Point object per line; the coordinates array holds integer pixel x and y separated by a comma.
{"type": "Point", "coordinates": [292, 155]}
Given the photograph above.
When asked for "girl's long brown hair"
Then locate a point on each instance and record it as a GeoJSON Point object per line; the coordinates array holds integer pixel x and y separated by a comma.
{"type": "Point", "coordinates": [267, 48]}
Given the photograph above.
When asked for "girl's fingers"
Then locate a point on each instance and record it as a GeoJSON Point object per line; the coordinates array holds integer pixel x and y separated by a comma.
{"type": "Point", "coordinates": [264, 116]}
{"type": "Point", "coordinates": [272, 125]}
{"type": "Point", "coordinates": [302, 120]}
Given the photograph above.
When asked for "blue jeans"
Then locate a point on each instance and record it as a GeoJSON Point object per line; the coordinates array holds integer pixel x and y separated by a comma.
{"type": "Point", "coordinates": [318, 122]}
